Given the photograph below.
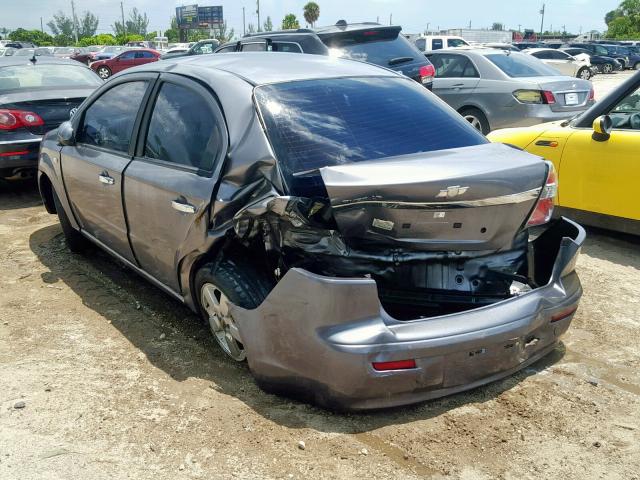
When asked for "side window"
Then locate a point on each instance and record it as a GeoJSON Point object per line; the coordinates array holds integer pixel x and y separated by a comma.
{"type": "Point", "coordinates": [183, 129]}
{"type": "Point", "coordinates": [230, 48]}
{"type": "Point", "coordinates": [557, 55]}
{"type": "Point", "coordinates": [128, 56]}
{"type": "Point", "coordinates": [108, 122]}
{"type": "Point", "coordinates": [454, 66]}
{"type": "Point", "coordinates": [286, 47]}
{"type": "Point", "coordinates": [203, 48]}
{"type": "Point", "coordinates": [254, 47]}
{"type": "Point", "coordinates": [421, 43]}
{"type": "Point", "coordinates": [542, 55]}
{"type": "Point", "coordinates": [436, 44]}
{"type": "Point", "coordinates": [626, 114]}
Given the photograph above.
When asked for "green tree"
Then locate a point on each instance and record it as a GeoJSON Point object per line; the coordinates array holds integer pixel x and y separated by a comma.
{"type": "Point", "coordinates": [137, 24]}
{"type": "Point", "coordinates": [63, 40]}
{"type": "Point", "coordinates": [87, 25]}
{"type": "Point", "coordinates": [311, 13]}
{"type": "Point", "coordinates": [290, 22]}
{"type": "Point", "coordinates": [35, 36]}
{"type": "Point", "coordinates": [251, 28]}
{"type": "Point", "coordinates": [61, 24]}
{"type": "Point", "coordinates": [497, 26]}
{"type": "Point", "coordinates": [268, 25]}
{"type": "Point", "coordinates": [624, 22]}
{"type": "Point", "coordinates": [612, 15]}
{"type": "Point", "coordinates": [102, 39]}
{"type": "Point", "coordinates": [4, 32]}
{"type": "Point", "coordinates": [222, 34]}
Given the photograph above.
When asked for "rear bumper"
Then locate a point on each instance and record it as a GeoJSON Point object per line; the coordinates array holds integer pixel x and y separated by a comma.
{"type": "Point", "coordinates": [523, 115]}
{"type": "Point", "coordinates": [18, 155]}
{"type": "Point", "coordinates": [317, 337]}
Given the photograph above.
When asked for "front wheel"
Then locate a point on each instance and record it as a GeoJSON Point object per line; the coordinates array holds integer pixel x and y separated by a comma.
{"type": "Point", "coordinates": [218, 286]}
{"type": "Point", "coordinates": [636, 66]}
{"type": "Point", "coordinates": [607, 68]}
{"type": "Point", "coordinates": [104, 72]}
{"type": "Point", "coordinates": [477, 119]}
{"type": "Point", "coordinates": [584, 73]}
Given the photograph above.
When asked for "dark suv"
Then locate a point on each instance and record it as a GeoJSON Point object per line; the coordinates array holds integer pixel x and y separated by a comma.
{"type": "Point", "coordinates": [367, 42]}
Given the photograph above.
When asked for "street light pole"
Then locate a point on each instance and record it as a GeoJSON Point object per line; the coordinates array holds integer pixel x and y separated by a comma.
{"type": "Point", "coordinates": [75, 21]}
{"type": "Point", "coordinates": [258, 12]}
{"type": "Point", "coordinates": [244, 27]}
{"type": "Point", "coordinates": [542, 21]}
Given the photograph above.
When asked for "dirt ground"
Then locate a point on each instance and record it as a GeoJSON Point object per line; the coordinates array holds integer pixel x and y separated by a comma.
{"type": "Point", "coordinates": [103, 376]}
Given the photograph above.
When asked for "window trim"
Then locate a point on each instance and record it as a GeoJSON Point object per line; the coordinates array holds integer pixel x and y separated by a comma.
{"type": "Point", "coordinates": [78, 119]}
{"type": "Point", "coordinates": [210, 98]}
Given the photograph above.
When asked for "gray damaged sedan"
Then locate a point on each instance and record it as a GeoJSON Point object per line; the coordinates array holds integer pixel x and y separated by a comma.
{"type": "Point", "coordinates": [338, 226]}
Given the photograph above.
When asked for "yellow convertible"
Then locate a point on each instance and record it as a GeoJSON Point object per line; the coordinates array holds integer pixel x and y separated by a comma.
{"type": "Point", "coordinates": [597, 157]}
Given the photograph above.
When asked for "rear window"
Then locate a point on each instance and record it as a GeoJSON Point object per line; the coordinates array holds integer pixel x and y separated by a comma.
{"type": "Point", "coordinates": [316, 123]}
{"type": "Point", "coordinates": [521, 65]}
{"type": "Point", "coordinates": [46, 76]}
{"type": "Point", "coordinates": [383, 47]}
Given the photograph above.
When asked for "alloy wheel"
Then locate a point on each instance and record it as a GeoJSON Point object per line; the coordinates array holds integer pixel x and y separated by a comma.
{"type": "Point", "coordinates": [221, 323]}
{"type": "Point", "coordinates": [474, 121]}
{"type": "Point", "coordinates": [585, 74]}
{"type": "Point", "coordinates": [104, 73]}
{"type": "Point", "coordinates": [608, 68]}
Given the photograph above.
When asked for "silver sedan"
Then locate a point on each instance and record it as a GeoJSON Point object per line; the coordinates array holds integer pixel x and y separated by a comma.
{"type": "Point", "coordinates": [496, 89]}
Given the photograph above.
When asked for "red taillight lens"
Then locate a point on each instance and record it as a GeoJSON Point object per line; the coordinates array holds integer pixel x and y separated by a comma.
{"type": "Point", "coordinates": [592, 94]}
{"type": "Point", "coordinates": [564, 314]}
{"type": "Point", "coordinates": [544, 208]}
{"type": "Point", "coordinates": [549, 99]}
{"type": "Point", "coordinates": [427, 72]}
{"type": "Point", "coordinates": [395, 365]}
{"type": "Point", "coordinates": [13, 119]}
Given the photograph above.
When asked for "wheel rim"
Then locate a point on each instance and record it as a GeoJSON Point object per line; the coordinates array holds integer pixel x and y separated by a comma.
{"type": "Point", "coordinates": [607, 68]}
{"type": "Point", "coordinates": [584, 74]}
{"type": "Point", "coordinates": [474, 121]}
{"type": "Point", "coordinates": [221, 323]}
{"type": "Point", "coordinates": [637, 66]}
{"type": "Point", "coordinates": [103, 73]}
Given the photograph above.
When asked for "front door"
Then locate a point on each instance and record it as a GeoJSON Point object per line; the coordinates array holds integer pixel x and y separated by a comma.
{"type": "Point", "coordinates": [603, 175]}
{"type": "Point", "coordinates": [92, 168]}
{"type": "Point", "coordinates": [456, 78]}
{"type": "Point", "coordinates": [169, 184]}
{"type": "Point", "coordinates": [123, 61]}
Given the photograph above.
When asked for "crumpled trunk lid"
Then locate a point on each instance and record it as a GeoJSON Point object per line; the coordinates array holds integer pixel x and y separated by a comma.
{"type": "Point", "coordinates": [473, 198]}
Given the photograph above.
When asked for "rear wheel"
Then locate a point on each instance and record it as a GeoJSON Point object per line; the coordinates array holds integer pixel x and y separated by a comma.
{"type": "Point", "coordinates": [607, 68]}
{"type": "Point", "coordinates": [104, 72]}
{"type": "Point", "coordinates": [218, 286]}
{"type": "Point", "coordinates": [76, 242]}
{"type": "Point", "coordinates": [636, 66]}
{"type": "Point", "coordinates": [584, 73]}
{"type": "Point", "coordinates": [477, 119]}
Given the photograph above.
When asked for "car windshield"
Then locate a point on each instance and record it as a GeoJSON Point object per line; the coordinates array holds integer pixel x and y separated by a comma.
{"type": "Point", "coordinates": [64, 50]}
{"type": "Point", "coordinates": [46, 76]}
{"type": "Point", "coordinates": [379, 46]}
{"type": "Point", "coordinates": [456, 42]}
{"type": "Point", "coordinates": [316, 123]}
{"type": "Point", "coordinates": [112, 49]}
{"type": "Point", "coordinates": [518, 65]}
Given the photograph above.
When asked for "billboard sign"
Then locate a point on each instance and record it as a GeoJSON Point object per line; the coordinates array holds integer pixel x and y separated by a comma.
{"type": "Point", "coordinates": [192, 16]}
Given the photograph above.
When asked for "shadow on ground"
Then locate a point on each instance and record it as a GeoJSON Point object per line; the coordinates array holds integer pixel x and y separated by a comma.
{"type": "Point", "coordinates": [614, 247]}
{"type": "Point", "coordinates": [15, 194]}
{"type": "Point", "coordinates": [142, 313]}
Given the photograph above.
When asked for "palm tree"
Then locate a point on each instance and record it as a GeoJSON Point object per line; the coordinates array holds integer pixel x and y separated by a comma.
{"type": "Point", "coordinates": [311, 13]}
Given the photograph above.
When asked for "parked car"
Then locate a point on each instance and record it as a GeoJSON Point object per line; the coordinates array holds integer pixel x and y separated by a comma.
{"type": "Point", "coordinates": [603, 64]}
{"type": "Point", "coordinates": [108, 52]}
{"type": "Point", "coordinates": [36, 97]}
{"type": "Point", "coordinates": [624, 56]}
{"type": "Point", "coordinates": [65, 52]}
{"type": "Point", "coordinates": [378, 44]}
{"type": "Point", "coordinates": [495, 89]}
{"type": "Point", "coordinates": [7, 51]}
{"type": "Point", "coordinates": [306, 212]}
{"type": "Point", "coordinates": [203, 47]}
{"type": "Point", "coordinates": [596, 155]}
{"type": "Point", "coordinates": [525, 45]}
{"type": "Point", "coordinates": [127, 59]}
{"type": "Point", "coordinates": [18, 45]}
{"type": "Point", "coordinates": [438, 42]}
{"type": "Point", "coordinates": [501, 46]}
{"type": "Point", "coordinates": [563, 62]}
{"type": "Point", "coordinates": [84, 55]}
{"type": "Point", "coordinates": [30, 52]}
{"type": "Point", "coordinates": [369, 42]}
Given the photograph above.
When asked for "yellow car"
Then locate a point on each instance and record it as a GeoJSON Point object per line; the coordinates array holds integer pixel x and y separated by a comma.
{"type": "Point", "coordinates": [597, 157]}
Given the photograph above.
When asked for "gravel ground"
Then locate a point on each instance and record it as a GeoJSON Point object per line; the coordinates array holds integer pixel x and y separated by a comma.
{"type": "Point", "coordinates": [103, 376]}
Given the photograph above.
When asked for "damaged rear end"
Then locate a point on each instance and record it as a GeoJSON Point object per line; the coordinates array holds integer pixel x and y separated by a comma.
{"type": "Point", "coordinates": [406, 260]}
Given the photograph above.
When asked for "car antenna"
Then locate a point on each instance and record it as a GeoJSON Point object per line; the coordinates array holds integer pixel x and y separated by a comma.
{"type": "Point", "coordinates": [33, 59]}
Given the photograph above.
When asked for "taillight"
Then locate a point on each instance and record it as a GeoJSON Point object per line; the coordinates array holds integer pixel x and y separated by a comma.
{"type": "Point", "coordinates": [592, 94]}
{"type": "Point", "coordinates": [13, 119]}
{"type": "Point", "coordinates": [395, 365]}
{"type": "Point", "coordinates": [535, 96]}
{"type": "Point", "coordinates": [427, 72]}
{"type": "Point", "coordinates": [544, 208]}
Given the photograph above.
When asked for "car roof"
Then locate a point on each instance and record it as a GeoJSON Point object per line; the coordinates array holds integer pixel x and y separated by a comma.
{"type": "Point", "coordinates": [26, 60]}
{"type": "Point", "coordinates": [353, 27]}
{"type": "Point", "coordinates": [269, 67]}
{"type": "Point", "coordinates": [295, 31]}
{"type": "Point", "coordinates": [547, 49]}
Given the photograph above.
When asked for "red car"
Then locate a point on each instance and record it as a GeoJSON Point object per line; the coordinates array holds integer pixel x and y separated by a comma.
{"type": "Point", "coordinates": [127, 59]}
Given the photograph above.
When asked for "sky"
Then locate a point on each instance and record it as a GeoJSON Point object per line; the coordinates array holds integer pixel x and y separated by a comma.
{"type": "Point", "coordinates": [413, 15]}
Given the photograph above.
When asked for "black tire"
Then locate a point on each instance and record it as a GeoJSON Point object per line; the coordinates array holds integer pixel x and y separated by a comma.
{"type": "Point", "coordinates": [636, 66]}
{"type": "Point", "coordinates": [480, 120]}
{"type": "Point", "coordinates": [242, 284]}
{"type": "Point", "coordinates": [103, 72]}
{"type": "Point", "coordinates": [607, 68]}
{"type": "Point", "coordinates": [584, 73]}
{"type": "Point", "coordinates": [75, 241]}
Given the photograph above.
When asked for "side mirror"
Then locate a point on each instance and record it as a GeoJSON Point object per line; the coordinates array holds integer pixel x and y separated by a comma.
{"type": "Point", "coordinates": [602, 128]}
{"type": "Point", "coordinates": [66, 134]}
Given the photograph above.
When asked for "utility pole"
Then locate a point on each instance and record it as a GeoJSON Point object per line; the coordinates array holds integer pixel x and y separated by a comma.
{"type": "Point", "coordinates": [124, 27]}
{"type": "Point", "coordinates": [258, 12]}
{"type": "Point", "coordinates": [244, 27]}
{"type": "Point", "coordinates": [469, 24]}
{"type": "Point", "coordinates": [75, 21]}
{"type": "Point", "coordinates": [519, 25]}
{"type": "Point", "coordinates": [391, 19]}
{"type": "Point", "coordinates": [542, 22]}
{"type": "Point", "coordinates": [41, 25]}
{"type": "Point", "coordinates": [378, 19]}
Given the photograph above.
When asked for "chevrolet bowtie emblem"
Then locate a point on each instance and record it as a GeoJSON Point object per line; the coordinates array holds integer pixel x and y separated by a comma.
{"type": "Point", "coordinates": [452, 192]}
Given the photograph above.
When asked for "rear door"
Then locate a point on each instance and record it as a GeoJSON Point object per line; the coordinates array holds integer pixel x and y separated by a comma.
{"type": "Point", "coordinates": [169, 184]}
{"type": "Point", "coordinates": [123, 61]}
{"type": "Point", "coordinates": [93, 168]}
{"type": "Point", "coordinates": [144, 57]}
{"type": "Point", "coordinates": [456, 78]}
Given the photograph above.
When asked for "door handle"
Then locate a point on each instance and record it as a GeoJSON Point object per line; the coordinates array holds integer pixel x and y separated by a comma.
{"type": "Point", "coordinates": [106, 179]}
{"type": "Point", "coordinates": [458, 85]}
{"type": "Point", "coordinates": [183, 207]}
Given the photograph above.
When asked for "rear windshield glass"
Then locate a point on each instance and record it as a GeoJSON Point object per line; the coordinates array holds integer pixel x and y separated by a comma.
{"type": "Point", "coordinates": [317, 123]}
{"type": "Point", "coordinates": [381, 47]}
{"type": "Point", "coordinates": [46, 76]}
{"type": "Point", "coordinates": [521, 65]}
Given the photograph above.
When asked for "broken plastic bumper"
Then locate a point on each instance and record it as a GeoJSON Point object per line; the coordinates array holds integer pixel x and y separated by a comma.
{"type": "Point", "coordinates": [317, 337]}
